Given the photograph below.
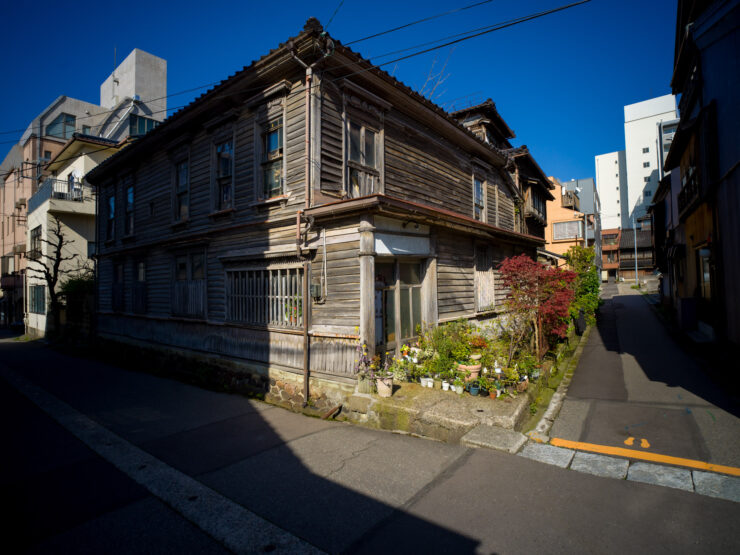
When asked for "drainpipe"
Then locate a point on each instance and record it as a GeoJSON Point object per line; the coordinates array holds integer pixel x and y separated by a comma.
{"type": "Point", "coordinates": [306, 340]}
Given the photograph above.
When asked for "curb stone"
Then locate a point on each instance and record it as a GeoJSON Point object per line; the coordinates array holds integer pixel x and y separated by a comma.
{"type": "Point", "coordinates": [541, 431]}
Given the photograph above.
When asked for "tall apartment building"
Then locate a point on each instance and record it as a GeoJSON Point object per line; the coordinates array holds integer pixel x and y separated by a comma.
{"type": "Point", "coordinates": [643, 151]}
{"type": "Point", "coordinates": [627, 179]}
{"type": "Point", "coordinates": [132, 102]}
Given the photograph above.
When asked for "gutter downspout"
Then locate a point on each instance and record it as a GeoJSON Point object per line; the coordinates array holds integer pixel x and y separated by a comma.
{"type": "Point", "coordinates": [307, 204]}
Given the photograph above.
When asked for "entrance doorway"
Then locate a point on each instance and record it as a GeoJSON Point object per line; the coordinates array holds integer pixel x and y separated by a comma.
{"type": "Point", "coordinates": [397, 303]}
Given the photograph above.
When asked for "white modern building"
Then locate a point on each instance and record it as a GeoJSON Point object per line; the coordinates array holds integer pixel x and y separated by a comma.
{"type": "Point", "coordinates": [627, 179]}
{"type": "Point", "coordinates": [611, 179]}
{"type": "Point", "coordinates": [643, 149]}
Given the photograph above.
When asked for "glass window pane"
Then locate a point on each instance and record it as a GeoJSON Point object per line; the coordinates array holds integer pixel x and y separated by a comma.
{"type": "Point", "coordinates": [355, 186]}
{"type": "Point", "coordinates": [415, 308]}
{"type": "Point", "coordinates": [410, 273]}
{"type": "Point", "coordinates": [369, 148]}
{"type": "Point", "coordinates": [141, 271]}
{"type": "Point", "coordinates": [384, 273]}
{"type": "Point", "coordinates": [390, 311]}
{"type": "Point", "coordinates": [224, 153]}
{"type": "Point", "coordinates": [354, 142]}
{"type": "Point", "coordinates": [273, 179]}
{"type": "Point", "coordinates": [181, 268]}
{"type": "Point", "coordinates": [182, 176]}
{"type": "Point", "coordinates": [198, 270]}
{"type": "Point", "coordinates": [405, 310]}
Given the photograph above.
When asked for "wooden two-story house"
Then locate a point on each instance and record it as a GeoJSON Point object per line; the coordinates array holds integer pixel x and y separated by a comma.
{"type": "Point", "coordinates": [532, 184]}
{"type": "Point", "coordinates": [306, 204]}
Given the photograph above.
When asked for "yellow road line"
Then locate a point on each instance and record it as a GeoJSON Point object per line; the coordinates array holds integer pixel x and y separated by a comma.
{"type": "Point", "coordinates": [634, 454]}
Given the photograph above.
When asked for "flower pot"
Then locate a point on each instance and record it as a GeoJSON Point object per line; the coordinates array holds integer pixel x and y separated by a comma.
{"type": "Point", "coordinates": [493, 393]}
{"type": "Point", "coordinates": [484, 392]}
{"type": "Point", "coordinates": [437, 384]}
{"type": "Point", "coordinates": [445, 386]}
{"type": "Point", "coordinates": [364, 385]}
{"type": "Point", "coordinates": [474, 390]}
{"type": "Point", "coordinates": [476, 358]}
{"type": "Point", "coordinates": [473, 369]}
{"type": "Point", "coordinates": [522, 386]}
{"type": "Point", "coordinates": [385, 386]}
{"type": "Point", "coordinates": [425, 382]}
{"type": "Point", "coordinates": [458, 389]}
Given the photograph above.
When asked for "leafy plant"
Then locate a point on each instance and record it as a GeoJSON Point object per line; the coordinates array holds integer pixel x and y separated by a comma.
{"type": "Point", "coordinates": [587, 283]}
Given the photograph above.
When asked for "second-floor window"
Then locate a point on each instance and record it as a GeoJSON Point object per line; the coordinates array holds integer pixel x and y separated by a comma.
{"type": "Point", "coordinates": [182, 191]}
{"type": "Point", "coordinates": [363, 175]}
{"type": "Point", "coordinates": [139, 125]}
{"type": "Point", "coordinates": [129, 222]}
{"type": "Point", "coordinates": [567, 230]}
{"type": "Point", "coordinates": [62, 126]}
{"type": "Point", "coordinates": [224, 174]}
{"type": "Point", "coordinates": [110, 227]}
{"type": "Point", "coordinates": [35, 251]}
{"type": "Point", "coordinates": [479, 199]}
{"type": "Point", "coordinates": [272, 158]}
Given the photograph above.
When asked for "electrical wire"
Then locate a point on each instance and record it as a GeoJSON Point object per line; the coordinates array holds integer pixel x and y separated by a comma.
{"type": "Point", "coordinates": [476, 33]}
{"type": "Point", "coordinates": [412, 23]}
{"type": "Point", "coordinates": [341, 2]}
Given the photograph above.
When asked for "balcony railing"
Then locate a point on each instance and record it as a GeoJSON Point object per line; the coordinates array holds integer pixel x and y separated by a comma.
{"type": "Point", "coordinates": [57, 189]}
{"type": "Point", "coordinates": [688, 194]}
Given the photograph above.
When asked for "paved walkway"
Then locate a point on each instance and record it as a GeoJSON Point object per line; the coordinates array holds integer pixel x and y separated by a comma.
{"type": "Point", "coordinates": [101, 459]}
{"type": "Point", "coordinates": [636, 388]}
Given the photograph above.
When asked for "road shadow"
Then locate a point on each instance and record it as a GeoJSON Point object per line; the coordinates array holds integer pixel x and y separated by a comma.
{"type": "Point", "coordinates": [661, 355]}
{"type": "Point", "coordinates": [236, 446]}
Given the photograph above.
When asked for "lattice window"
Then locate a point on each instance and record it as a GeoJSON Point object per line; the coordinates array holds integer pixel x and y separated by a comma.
{"type": "Point", "coordinates": [484, 279]}
{"type": "Point", "coordinates": [267, 297]}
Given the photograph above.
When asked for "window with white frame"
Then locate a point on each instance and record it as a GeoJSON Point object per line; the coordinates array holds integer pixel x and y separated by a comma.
{"type": "Point", "coordinates": [272, 158]}
{"type": "Point", "coordinates": [567, 230]}
{"type": "Point", "coordinates": [270, 296]}
{"type": "Point", "coordinates": [189, 291]}
{"type": "Point", "coordinates": [224, 174]}
{"type": "Point", "coordinates": [363, 173]}
{"type": "Point", "coordinates": [479, 199]}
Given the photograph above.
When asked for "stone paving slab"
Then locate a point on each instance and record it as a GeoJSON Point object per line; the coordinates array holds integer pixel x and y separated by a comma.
{"type": "Point", "coordinates": [492, 437]}
{"type": "Point", "coordinates": [600, 465]}
{"type": "Point", "coordinates": [548, 454]}
{"type": "Point", "coordinates": [717, 485]}
{"type": "Point", "coordinates": [658, 475]}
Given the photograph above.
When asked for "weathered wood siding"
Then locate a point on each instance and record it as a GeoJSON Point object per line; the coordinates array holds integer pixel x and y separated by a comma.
{"type": "Point", "coordinates": [455, 275]}
{"type": "Point", "coordinates": [332, 156]}
{"type": "Point", "coordinates": [341, 309]}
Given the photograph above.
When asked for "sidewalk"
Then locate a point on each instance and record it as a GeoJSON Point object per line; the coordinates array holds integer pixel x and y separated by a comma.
{"type": "Point", "coordinates": [256, 477]}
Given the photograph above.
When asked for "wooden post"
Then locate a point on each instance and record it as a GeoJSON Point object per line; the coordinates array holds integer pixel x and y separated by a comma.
{"type": "Point", "coordinates": [367, 282]}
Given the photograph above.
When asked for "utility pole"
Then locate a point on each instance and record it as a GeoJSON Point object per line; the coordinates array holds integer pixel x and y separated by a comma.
{"type": "Point", "coordinates": [634, 234]}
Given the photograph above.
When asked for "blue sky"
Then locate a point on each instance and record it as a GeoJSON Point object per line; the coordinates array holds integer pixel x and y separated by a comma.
{"type": "Point", "coordinates": [560, 82]}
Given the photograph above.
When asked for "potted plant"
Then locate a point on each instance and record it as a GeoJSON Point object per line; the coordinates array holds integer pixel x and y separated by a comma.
{"type": "Point", "coordinates": [458, 385]}
{"type": "Point", "coordinates": [485, 385]}
{"type": "Point", "coordinates": [474, 388]}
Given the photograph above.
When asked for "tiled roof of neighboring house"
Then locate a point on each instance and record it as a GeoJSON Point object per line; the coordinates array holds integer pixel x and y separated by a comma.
{"type": "Point", "coordinates": [489, 108]}
{"type": "Point", "coordinates": [644, 239]}
{"type": "Point", "coordinates": [311, 28]}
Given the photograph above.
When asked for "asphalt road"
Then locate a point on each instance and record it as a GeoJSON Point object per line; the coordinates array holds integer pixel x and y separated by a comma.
{"type": "Point", "coordinates": [636, 388]}
{"type": "Point", "coordinates": [99, 459]}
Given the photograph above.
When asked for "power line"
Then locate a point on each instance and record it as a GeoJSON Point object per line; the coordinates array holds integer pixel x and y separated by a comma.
{"type": "Point", "coordinates": [487, 30]}
{"type": "Point", "coordinates": [218, 82]}
{"type": "Point", "coordinates": [412, 23]}
{"type": "Point", "coordinates": [341, 2]}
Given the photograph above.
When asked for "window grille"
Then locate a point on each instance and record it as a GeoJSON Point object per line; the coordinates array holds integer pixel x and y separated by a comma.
{"type": "Point", "coordinates": [267, 297]}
